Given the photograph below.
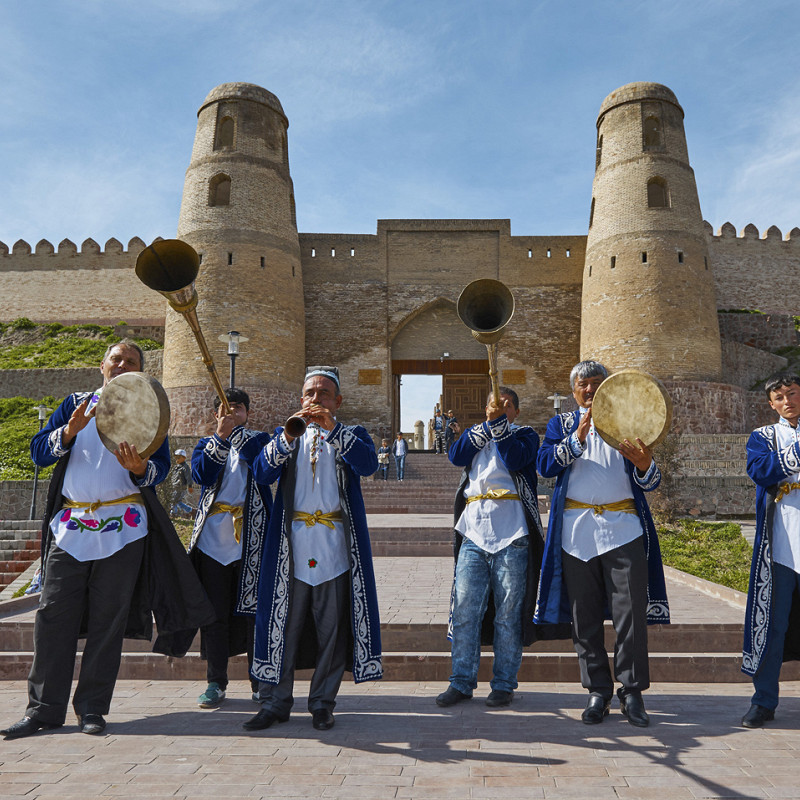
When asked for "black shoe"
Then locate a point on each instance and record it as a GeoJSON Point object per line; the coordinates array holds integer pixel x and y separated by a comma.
{"type": "Point", "coordinates": [263, 720]}
{"type": "Point", "coordinates": [632, 707]}
{"type": "Point", "coordinates": [322, 719]}
{"type": "Point", "coordinates": [498, 698]}
{"type": "Point", "coordinates": [92, 724]}
{"type": "Point", "coordinates": [27, 726]}
{"type": "Point", "coordinates": [757, 716]}
{"type": "Point", "coordinates": [451, 697]}
{"type": "Point", "coordinates": [596, 710]}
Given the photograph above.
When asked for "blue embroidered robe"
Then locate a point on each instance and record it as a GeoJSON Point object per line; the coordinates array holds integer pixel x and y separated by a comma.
{"type": "Point", "coordinates": [767, 466]}
{"type": "Point", "coordinates": [167, 588]}
{"type": "Point", "coordinates": [208, 464]}
{"type": "Point", "coordinates": [555, 460]}
{"type": "Point", "coordinates": [355, 458]}
{"type": "Point", "coordinates": [517, 447]}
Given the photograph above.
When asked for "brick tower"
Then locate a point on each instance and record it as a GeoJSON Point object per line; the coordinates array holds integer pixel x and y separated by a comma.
{"type": "Point", "coordinates": [648, 291]}
{"type": "Point", "coordinates": [238, 212]}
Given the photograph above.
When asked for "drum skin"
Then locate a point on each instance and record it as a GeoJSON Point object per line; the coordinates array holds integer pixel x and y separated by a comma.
{"type": "Point", "coordinates": [133, 408]}
{"type": "Point", "coordinates": [632, 404]}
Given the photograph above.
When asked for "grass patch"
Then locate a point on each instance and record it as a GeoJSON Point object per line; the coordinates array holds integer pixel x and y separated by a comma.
{"type": "Point", "coordinates": [184, 529]}
{"type": "Point", "coordinates": [18, 424]}
{"type": "Point", "coordinates": [716, 551]}
{"type": "Point", "coordinates": [26, 345]}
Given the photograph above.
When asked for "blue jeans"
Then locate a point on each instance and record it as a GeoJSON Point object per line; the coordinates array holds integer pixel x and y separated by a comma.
{"type": "Point", "coordinates": [400, 463]}
{"type": "Point", "coordinates": [765, 681]}
{"type": "Point", "coordinates": [504, 574]}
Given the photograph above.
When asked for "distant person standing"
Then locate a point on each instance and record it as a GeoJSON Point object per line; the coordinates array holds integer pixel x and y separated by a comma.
{"type": "Point", "coordinates": [438, 431]}
{"type": "Point", "coordinates": [400, 451]}
{"type": "Point", "coordinates": [181, 480]}
{"type": "Point", "coordinates": [383, 459]}
{"type": "Point", "coordinates": [451, 429]}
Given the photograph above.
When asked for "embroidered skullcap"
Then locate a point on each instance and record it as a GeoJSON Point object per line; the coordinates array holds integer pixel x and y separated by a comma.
{"type": "Point", "coordinates": [180, 453]}
{"type": "Point", "coordinates": [332, 373]}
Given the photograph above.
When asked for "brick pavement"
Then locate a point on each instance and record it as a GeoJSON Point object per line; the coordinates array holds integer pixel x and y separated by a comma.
{"type": "Point", "coordinates": [392, 741]}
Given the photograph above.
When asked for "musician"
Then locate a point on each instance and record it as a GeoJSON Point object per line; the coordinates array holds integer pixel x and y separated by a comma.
{"type": "Point", "coordinates": [498, 548]}
{"type": "Point", "coordinates": [227, 539]}
{"type": "Point", "coordinates": [317, 602]}
{"type": "Point", "coordinates": [400, 451]}
{"type": "Point", "coordinates": [102, 530]}
{"type": "Point", "coordinates": [772, 630]}
{"type": "Point", "coordinates": [601, 556]}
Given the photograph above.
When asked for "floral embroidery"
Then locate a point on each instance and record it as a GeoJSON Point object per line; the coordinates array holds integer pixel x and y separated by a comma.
{"type": "Point", "coordinates": [312, 562]}
{"type": "Point", "coordinates": [131, 518]}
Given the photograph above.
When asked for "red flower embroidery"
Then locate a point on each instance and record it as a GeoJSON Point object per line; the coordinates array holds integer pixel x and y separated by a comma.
{"type": "Point", "coordinates": [312, 562]}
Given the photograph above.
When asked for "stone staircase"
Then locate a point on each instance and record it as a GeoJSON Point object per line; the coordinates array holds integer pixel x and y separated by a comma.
{"type": "Point", "coordinates": [19, 548]}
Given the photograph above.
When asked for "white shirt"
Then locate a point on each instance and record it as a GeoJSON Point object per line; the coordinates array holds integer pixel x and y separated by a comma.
{"type": "Point", "coordinates": [320, 553]}
{"type": "Point", "coordinates": [93, 473]}
{"type": "Point", "coordinates": [786, 522]}
{"type": "Point", "coordinates": [598, 477]}
{"type": "Point", "coordinates": [217, 539]}
{"type": "Point", "coordinates": [491, 524]}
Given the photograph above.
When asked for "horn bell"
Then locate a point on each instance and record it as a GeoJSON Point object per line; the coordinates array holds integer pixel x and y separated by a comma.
{"type": "Point", "coordinates": [170, 267]}
{"type": "Point", "coordinates": [486, 306]}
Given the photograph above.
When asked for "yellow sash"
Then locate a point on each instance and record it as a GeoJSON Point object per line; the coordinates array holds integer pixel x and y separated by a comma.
{"type": "Point", "coordinates": [784, 489]}
{"type": "Point", "coordinates": [318, 518]}
{"type": "Point", "coordinates": [237, 512]}
{"type": "Point", "coordinates": [94, 505]}
{"type": "Point", "coordinates": [628, 506]}
{"type": "Point", "coordinates": [494, 494]}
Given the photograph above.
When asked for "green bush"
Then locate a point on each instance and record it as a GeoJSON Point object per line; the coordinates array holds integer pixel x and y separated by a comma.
{"type": "Point", "coordinates": [18, 424]}
{"type": "Point", "coordinates": [716, 551]}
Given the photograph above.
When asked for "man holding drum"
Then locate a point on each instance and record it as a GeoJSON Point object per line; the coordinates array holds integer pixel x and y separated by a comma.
{"type": "Point", "coordinates": [100, 510]}
{"type": "Point", "coordinates": [772, 632]}
{"type": "Point", "coordinates": [601, 556]}
{"type": "Point", "coordinates": [317, 602]}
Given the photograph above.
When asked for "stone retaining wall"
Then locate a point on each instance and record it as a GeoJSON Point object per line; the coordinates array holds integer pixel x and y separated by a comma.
{"type": "Point", "coordinates": [764, 331]}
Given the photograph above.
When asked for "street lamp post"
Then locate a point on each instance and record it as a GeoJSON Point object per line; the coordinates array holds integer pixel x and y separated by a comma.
{"type": "Point", "coordinates": [557, 399]}
{"type": "Point", "coordinates": [42, 409]}
{"type": "Point", "coordinates": [233, 338]}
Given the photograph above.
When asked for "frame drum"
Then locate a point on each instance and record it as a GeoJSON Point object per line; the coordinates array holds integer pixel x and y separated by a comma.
{"type": "Point", "coordinates": [133, 408]}
{"type": "Point", "coordinates": [631, 404]}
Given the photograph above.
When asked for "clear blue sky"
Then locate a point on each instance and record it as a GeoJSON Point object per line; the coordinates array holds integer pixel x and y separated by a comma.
{"type": "Point", "coordinates": [438, 108]}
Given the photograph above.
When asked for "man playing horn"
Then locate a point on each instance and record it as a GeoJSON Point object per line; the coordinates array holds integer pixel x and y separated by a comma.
{"type": "Point", "coordinates": [602, 556]}
{"type": "Point", "coordinates": [103, 527]}
{"type": "Point", "coordinates": [227, 539]}
{"type": "Point", "coordinates": [317, 602]}
{"type": "Point", "coordinates": [773, 463]}
{"type": "Point", "coordinates": [498, 549]}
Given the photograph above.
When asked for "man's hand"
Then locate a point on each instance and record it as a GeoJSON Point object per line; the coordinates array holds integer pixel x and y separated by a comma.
{"type": "Point", "coordinates": [641, 456]}
{"type": "Point", "coordinates": [225, 424]}
{"type": "Point", "coordinates": [77, 422]}
{"type": "Point", "coordinates": [319, 415]}
{"type": "Point", "coordinates": [129, 459]}
{"type": "Point", "coordinates": [584, 425]}
{"type": "Point", "coordinates": [495, 410]}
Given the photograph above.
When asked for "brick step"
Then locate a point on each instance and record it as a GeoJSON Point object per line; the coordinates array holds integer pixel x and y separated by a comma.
{"type": "Point", "coordinates": [536, 667]}
{"type": "Point", "coordinates": [7, 535]}
{"type": "Point", "coordinates": [18, 554]}
{"type": "Point", "coordinates": [432, 637]}
{"type": "Point", "coordinates": [412, 507]}
{"type": "Point", "coordinates": [15, 567]}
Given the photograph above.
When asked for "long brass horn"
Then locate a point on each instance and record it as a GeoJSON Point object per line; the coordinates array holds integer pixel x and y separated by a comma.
{"type": "Point", "coordinates": [170, 266]}
{"type": "Point", "coordinates": [486, 306]}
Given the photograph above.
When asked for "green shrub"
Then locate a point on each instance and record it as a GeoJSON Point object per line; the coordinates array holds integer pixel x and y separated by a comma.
{"type": "Point", "coordinates": [716, 551]}
{"type": "Point", "coordinates": [18, 424]}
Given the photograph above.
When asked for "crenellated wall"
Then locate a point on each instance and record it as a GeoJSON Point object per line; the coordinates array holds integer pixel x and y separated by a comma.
{"type": "Point", "coordinates": [68, 285]}
{"type": "Point", "coordinates": [753, 271]}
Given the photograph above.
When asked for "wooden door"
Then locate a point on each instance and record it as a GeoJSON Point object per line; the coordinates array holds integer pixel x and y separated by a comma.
{"type": "Point", "coordinates": [466, 396]}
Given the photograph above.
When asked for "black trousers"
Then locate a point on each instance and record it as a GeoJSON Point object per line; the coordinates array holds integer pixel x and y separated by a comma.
{"type": "Point", "coordinates": [221, 583]}
{"type": "Point", "coordinates": [616, 580]}
{"type": "Point", "coordinates": [330, 607]}
{"type": "Point", "coordinates": [102, 590]}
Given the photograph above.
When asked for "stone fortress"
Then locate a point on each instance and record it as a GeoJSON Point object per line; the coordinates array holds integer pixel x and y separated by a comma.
{"type": "Point", "coordinates": [642, 288]}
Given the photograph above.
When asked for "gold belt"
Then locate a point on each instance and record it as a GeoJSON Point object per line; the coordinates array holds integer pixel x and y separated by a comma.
{"type": "Point", "coordinates": [628, 506]}
{"type": "Point", "coordinates": [494, 494]}
{"type": "Point", "coordinates": [237, 512]}
{"type": "Point", "coordinates": [318, 518]}
{"type": "Point", "coordinates": [784, 489]}
{"type": "Point", "coordinates": [94, 505]}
